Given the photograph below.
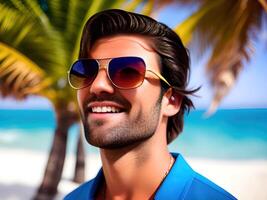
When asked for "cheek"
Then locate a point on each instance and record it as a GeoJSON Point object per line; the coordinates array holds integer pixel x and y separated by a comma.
{"type": "Point", "coordinates": [149, 93]}
{"type": "Point", "coordinates": [143, 99]}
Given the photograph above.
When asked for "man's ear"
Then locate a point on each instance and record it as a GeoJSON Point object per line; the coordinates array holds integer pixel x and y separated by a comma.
{"type": "Point", "coordinates": [171, 103]}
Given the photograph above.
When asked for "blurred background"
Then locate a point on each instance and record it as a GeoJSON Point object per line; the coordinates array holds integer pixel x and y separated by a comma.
{"type": "Point", "coordinates": [224, 138]}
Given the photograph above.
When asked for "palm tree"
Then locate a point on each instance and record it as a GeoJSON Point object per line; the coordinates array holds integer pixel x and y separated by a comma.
{"type": "Point", "coordinates": [34, 58]}
{"type": "Point", "coordinates": [226, 28]}
{"type": "Point", "coordinates": [38, 42]}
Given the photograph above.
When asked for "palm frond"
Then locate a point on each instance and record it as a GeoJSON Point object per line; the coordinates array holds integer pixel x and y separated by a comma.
{"type": "Point", "coordinates": [227, 28]}
{"type": "Point", "coordinates": [27, 34]}
{"type": "Point", "coordinates": [76, 11]}
{"type": "Point", "coordinates": [148, 7]}
{"type": "Point", "coordinates": [95, 7]}
{"type": "Point", "coordinates": [229, 55]}
{"type": "Point", "coordinates": [132, 5]}
{"type": "Point", "coordinates": [19, 76]}
{"type": "Point", "coordinates": [188, 28]}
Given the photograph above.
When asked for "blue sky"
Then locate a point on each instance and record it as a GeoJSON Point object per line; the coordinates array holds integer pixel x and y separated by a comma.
{"type": "Point", "coordinates": [250, 90]}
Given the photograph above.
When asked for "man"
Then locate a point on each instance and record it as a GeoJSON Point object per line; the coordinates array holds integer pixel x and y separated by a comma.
{"type": "Point", "coordinates": [131, 80]}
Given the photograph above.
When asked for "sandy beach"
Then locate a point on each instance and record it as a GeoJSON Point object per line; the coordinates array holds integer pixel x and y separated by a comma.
{"type": "Point", "coordinates": [21, 171]}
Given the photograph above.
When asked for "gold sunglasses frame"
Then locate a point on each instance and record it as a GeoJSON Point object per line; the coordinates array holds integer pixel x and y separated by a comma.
{"type": "Point", "coordinates": [103, 63]}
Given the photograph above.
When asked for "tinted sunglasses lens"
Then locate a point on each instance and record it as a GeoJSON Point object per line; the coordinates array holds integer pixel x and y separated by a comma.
{"type": "Point", "coordinates": [127, 72]}
{"type": "Point", "coordinates": [83, 73]}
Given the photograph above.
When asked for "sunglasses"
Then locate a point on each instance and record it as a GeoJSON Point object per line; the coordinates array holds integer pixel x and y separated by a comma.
{"type": "Point", "coordinates": [123, 72]}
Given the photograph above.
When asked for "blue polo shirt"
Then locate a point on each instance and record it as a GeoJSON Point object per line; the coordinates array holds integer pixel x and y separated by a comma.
{"type": "Point", "coordinates": [182, 183]}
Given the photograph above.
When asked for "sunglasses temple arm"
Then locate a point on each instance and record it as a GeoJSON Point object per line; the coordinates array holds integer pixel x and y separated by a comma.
{"type": "Point", "coordinates": [160, 77]}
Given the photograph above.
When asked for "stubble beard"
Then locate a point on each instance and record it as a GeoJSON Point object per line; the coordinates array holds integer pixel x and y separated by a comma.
{"type": "Point", "coordinates": [129, 132]}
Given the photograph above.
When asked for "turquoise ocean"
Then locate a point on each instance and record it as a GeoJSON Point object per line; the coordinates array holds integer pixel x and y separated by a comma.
{"type": "Point", "coordinates": [228, 134]}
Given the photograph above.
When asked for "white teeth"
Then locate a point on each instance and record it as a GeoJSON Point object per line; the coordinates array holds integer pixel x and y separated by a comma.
{"type": "Point", "coordinates": [105, 109]}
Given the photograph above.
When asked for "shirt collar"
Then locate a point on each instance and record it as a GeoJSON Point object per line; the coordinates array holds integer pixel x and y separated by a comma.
{"type": "Point", "coordinates": [96, 182]}
{"type": "Point", "coordinates": [172, 187]}
{"type": "Point", "coordinates": [176, 181]}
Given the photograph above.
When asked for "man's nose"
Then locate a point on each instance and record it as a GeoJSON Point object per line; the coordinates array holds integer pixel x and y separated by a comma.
{"type": "Point", "coordinates": [101, 83]}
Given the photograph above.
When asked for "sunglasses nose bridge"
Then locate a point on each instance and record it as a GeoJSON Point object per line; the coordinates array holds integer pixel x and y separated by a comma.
{"type": "Point", "coordinates": [103, 63]}
{"type": "Point", "coordinates": [103, 67]}
{"type": "Point", "coordinates": [102, 81]}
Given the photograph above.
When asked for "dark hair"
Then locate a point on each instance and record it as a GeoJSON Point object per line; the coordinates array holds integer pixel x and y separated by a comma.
{"type": "Point", "coordinates": [173, 55]}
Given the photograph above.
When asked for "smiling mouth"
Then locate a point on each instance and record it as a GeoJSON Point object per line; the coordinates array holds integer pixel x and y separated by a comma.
{"type": "Point", "coordinates": [105, 109]}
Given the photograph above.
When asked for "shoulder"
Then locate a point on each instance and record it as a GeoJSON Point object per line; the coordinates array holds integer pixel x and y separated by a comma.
{"type": "Point", "coordinates": [202, 187]}
{"type": "Point", "coordinates": [186, 183]}
{"type": "Point", "coordinates": [88, 189]}
{"type": "Point", "coordinates": [81, 192]}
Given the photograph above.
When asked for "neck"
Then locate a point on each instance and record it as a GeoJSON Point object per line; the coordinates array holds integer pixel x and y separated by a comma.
{"type": "Point", "coordinates": [135, 172]}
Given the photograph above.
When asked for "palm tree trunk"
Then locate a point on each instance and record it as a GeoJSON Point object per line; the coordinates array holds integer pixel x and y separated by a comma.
{"type": "Point", "coordinates": [48, 188]}
{"type": "Point", "coordinates": [79, 174]}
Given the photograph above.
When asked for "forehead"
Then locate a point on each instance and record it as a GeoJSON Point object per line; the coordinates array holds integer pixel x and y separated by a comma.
{"type": "Point", "coordinates": [123, 45]}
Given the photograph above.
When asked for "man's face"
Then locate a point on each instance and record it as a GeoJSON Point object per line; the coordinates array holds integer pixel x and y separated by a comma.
{"type": "Point", "coordinates": [139, 109]}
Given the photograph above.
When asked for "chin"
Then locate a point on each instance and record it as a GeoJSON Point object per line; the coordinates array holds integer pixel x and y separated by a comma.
{"type": "Point", "coordinates": [116, 142]}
